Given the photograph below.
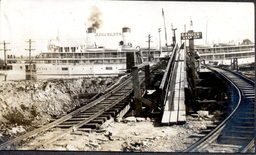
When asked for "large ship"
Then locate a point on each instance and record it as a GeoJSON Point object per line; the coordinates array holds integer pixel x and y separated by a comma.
{"type": "Point", "coordinates": [223, 53]}
{"type": "Point", "coordinates": [79, 61]}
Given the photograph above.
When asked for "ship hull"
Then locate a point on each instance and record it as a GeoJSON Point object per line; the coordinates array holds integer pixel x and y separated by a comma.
{"type": "Point", "coordinates": [46, 71]}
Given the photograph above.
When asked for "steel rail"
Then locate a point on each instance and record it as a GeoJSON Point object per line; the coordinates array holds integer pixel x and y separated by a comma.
{"type": "Point", "coordinates": [64, 118]}
{"type": "Point", "coordinates": [170, 82]}
{"type": "Point", "coordinates": [249, 146]}
{"type": "Point", "coordinates": [167, 74]}
{"type": "Point", "coordinates": [83, 122]}
{"type": "Point", "coordinates": [215, 133]}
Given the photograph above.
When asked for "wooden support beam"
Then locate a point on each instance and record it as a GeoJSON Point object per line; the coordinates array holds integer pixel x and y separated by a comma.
{"type": "Point", "coordinates": [129, 60]}
{"type": "Point", "coordinates": [207, 101]}
{"type": "Point", "coordinates": [147, 76]}
{"type": "Point", "coordinates": [136, 88]}
{"type": "Point", "coordinates": [137, 94]}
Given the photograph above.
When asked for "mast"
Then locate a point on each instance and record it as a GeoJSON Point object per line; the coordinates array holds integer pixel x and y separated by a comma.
{"type": "Point", "coordinates": [206, 30]}
{"type": "Point", "coordinates": [164, 27]}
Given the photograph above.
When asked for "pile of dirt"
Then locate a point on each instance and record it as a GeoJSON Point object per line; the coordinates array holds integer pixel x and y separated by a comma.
{"type": "Point", "coordinates": [32, 104]}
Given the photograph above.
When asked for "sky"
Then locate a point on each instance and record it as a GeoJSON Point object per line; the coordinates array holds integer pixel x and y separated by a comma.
{"type": "Point", "coordinates": [42, 20]}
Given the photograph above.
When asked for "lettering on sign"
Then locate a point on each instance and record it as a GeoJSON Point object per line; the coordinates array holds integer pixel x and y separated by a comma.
{"type": "Point", "coordinates": [108, 34]}
{"type": "Point", "coordinates": [194, 35]}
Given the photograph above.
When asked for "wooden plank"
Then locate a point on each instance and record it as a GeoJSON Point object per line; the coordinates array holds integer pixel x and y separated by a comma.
{"type": "Point", "coordinates": [165, 118]}
{"type": "Point", "coordinates": [173, 117]}
{"type": "Point", "coordinates": [167, 106]}
{"type": "Point", "coordinates": [181, 77]}
{"type": "Point", "coordinates": [182, 94]}
{"type": "Point", "coordinates": [176, 94]}
{"type": "Point", "coordinates": [182, 84]}
{"type": "Point", "coordinates": [182, 116]}
{"type": "Point", "coordinates": [175, 104]}
{"type": "Point", "coordinates": [177, 86]}
{"type": "Point", "coordinates": [182, 105]}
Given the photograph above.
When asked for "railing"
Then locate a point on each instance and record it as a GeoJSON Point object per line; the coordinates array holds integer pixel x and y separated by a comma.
{"type": "Point", "coordinates": [166, 81]}
{"type": "Point", "coordinates": [224, 50]}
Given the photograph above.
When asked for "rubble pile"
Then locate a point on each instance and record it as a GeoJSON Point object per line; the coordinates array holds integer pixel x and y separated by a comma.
{"type": "Point", "coordinates": [135, 134]}
{"type": "Point", "coordinates": [32, 104]}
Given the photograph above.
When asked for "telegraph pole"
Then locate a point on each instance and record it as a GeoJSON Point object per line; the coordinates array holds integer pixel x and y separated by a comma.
{"type": "Point", "coordinates": [30, 62]}
{"type": "Point", "coordinates": [160, 46]}
{"type": "Point", "coordinates": [173, 36]}
{"type": "Point", "coordinates": [5, 59]}
{"type": "Point", "coordinates": [149, 40]}
{"type": "Point", "coordinates": [165, 28]}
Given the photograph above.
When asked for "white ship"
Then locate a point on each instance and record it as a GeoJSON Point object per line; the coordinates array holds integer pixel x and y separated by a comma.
{"type": "Point", "coordinates": [80, 61]}
{"type": "Point", "coordinates": [223, 53]}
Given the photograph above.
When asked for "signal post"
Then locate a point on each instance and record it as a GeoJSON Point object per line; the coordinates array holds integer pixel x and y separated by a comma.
{"type": "Point", "coordinates": [191, 35]}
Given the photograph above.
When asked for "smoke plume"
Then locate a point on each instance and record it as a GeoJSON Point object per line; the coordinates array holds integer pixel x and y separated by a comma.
{"type": "Point", "coordinates": [95, 20]}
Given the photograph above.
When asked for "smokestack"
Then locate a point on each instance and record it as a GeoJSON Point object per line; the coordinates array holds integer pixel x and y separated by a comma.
{"type": "Point", "coordinates": [126, 33]}
{"type": "Point", "coordinates": [91, 37]}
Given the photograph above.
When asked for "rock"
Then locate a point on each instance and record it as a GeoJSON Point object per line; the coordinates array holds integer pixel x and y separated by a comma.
{"type": "Point", "coordinates": [194, 115]}
{"type": "Point", "coordinates": [74, 129]}
{"type": "Point", "coordinates": [210, 116]}
{"type": "Point", "coordinates": [17, 129]}
{"type": "Point", "coordinates": [140, 119]}
{"type": "Point", "coordinates": [157, 137]}
{"type": "Point", "coordinates": [202, 113]}
{"type": "Point", "coordinates": [95, 145]}
{"type": "Point", "coordinates": [148, 119]}
{"type": "Point", "coordinates": [136, 133]}
{"type": "Point", "coordinates": [203, 127]}
{"type": "Point", "coordinates": [108, 134]}
{"type": "Point", "coordinates": [105, 139]}
{"type": "Point", "coordinates": [70, 147]}
{"type": "Point", "coordinates": [118, 119]}
{"type": "Point", "coordinates": [144, 143]}
{"type": "Point", "coordinates": [150, 138]}
{"type": "Point", "coordinates": [130, 119]}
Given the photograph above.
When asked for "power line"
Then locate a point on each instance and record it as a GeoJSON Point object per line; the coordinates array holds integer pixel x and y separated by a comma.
{"type": "Point", "coordinates": [149, 40]}
{"type": "Point", "coordinates": [30, 57]}
{"type": "Point", "coordinates": [5, 59]}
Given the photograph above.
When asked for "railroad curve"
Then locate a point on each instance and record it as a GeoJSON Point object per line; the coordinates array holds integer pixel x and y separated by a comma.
{"type": "Point", "coordinates": [237, 132]}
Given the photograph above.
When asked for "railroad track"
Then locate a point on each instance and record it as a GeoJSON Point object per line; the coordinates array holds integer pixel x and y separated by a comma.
{"type": "Point", "coordinates": [237, 132]}
{"type": "Point", "coordinates": [82, 119]}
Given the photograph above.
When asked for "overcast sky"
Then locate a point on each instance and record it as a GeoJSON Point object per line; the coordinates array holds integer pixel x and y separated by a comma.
{"type": "Point", "coordinates": [41, 20]}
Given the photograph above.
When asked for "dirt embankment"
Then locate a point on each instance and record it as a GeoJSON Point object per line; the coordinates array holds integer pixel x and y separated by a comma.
{"type": "Point", "coordinates": [24, 105]}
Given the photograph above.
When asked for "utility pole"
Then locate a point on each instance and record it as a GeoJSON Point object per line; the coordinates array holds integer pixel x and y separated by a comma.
{"type": "Point", "coordinates": [165, 28]}
{"type": "Point", "coordinates": [206, 30]}
{"type": "Point", "coordinates": [30, 62]}
{"type": "Point", "coordinates": [160, 46]}
{"type": "Point", "coordinates": [185, 42]}
{"type": "Point", "coordinates": [5, 59]}
{"type": "Point", "coordinates": [173, 36]}
{"type": "Point", "coordinates": [149, 40]}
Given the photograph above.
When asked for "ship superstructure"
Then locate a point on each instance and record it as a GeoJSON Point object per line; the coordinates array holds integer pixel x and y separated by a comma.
{"type": "Point", "coordinates": [223, 53]}
{"type": "Point", "coordinates": [85, 60]}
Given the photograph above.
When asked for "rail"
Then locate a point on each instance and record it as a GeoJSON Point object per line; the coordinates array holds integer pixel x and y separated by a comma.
{"type": "Point", "coordinates": [68, 116]}
{"type": "Point", "coordinates": [168, 68]}
{"type": "Point", "coordinates": [97, 106]}
{"type": "Point", "coordinates": [214, 134]}
{"type": "Point", "coordinates": [170, 83]}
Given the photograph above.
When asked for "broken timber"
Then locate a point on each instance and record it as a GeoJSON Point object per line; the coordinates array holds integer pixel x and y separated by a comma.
{"type": "Point", "coordinates": [137, 93]}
